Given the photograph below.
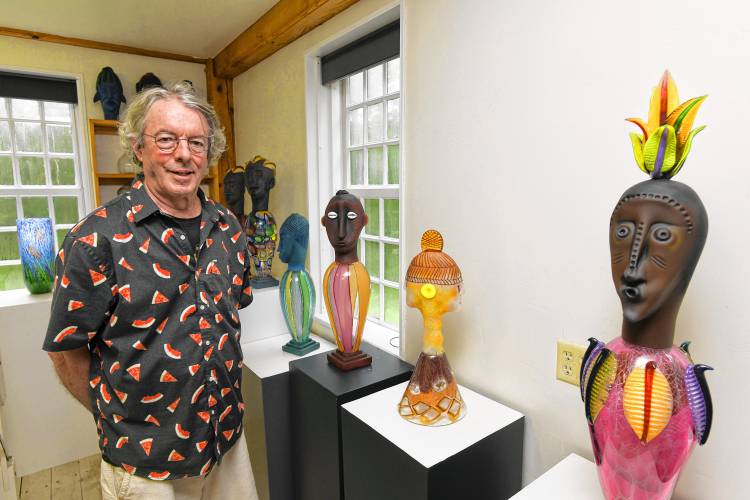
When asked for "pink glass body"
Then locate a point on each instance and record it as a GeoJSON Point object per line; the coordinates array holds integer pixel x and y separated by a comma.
{"type": "Point", "coordinates": [344, 286]}
{"type": "Point", "coordinates": [628, 468]}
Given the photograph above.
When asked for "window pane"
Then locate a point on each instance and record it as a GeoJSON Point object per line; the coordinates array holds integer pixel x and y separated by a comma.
{"type": "Point", "coordinates": [391, 306]}
{"type": "Point", "coordinates": [4, 136]}
{"type": "Point", "coordinates": [3, 109]}
{"type": "Point", "coordinates": [375, 82]}
{"type": "Point", "coordinates": [11, 277]}
{"type": "Point", "coordinates": [356, 88]}
{"type": "Point", "coordinates": [66, 209]}
{"type": "Point", "coordinates": [374, 311]}
{"type": "Point", "coordinates": [375, 123]}
{"type": "Point", "coordinates": [375, 165]}
{"type": "Point", "coordinates": [28, 137]}
{"type": "Point", "coordinates": [390, 218]}
{"type": "Point", "coordinates": [394, 118]}
{"type": "Point", "coordinates": [357, 167]}
{"type": "Point", "coordinates": [372, 209]}
{"type": "Point", "coordinates": [62, 171]}
{"type": "Point", "coordinates": [9, 245]}
{"type": "Point", "coordinates": [355, 127]}
{"type": "Point", "coordinates": [372, 258]}
{"type": "Point", "coordinates": [390, 258]}
{"type": "Point", "coordinates": [61, 233]}
{"type": "Point", "coordinates": [60, 137]}
{"type": "Point", "coordinates": [22, 108]}
{"type": "Point", "coordinates": [6, 170]}
{"type": "Point", "coordinates": [57, 111]}
{"type": "Point", "coordinates": [8, 211]}
{"type": "Point", "coordinates": [393, 163]}
{"type": "Point", "coordinates": [394, 75]}
{"type": "Point", "coordinates": [34, 206]}
{"type": "Point", "coordinates": [32, 171]}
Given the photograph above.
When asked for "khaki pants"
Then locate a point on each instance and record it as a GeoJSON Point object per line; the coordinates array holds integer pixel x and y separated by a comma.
{"type": "Point", "coordinates": [233, 478]}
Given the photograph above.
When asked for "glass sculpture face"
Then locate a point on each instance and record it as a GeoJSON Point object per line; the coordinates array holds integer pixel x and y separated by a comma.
{"type": "Point", "coordinates": [259, 180]}
{"type": "Point", "coordinates": [343, 221]}
{"type": "Point", "coordinates": [650, 247]}
{"type": "Point", "coordinates": [234, 187]}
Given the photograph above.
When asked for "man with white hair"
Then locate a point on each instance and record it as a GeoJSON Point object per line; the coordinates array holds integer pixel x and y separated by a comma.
{"type": "Point", "coordinates": [144, 330]}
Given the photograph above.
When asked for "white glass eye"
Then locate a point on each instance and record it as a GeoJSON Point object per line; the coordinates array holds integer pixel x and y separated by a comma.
{"type": "Point", "coordinates": [332, 215]}
{"type": "Point", "coordinates": [351, 215]}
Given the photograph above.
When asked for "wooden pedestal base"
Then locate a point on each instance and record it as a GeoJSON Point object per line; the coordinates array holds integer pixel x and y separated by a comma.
{"type": "Point", "coordinates": [346, 361]}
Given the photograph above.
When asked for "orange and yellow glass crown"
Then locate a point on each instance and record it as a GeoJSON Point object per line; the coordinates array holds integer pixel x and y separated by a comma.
{"type": "Point", "coordinates": [266, 163]}
{"type": "Point", "coordinates": [666, 138]}
{"type": "Point", "coordinates": [431, 265]}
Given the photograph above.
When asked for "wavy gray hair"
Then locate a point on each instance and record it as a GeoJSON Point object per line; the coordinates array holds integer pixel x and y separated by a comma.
{"type": "Point", "coordinates": [132, 126]}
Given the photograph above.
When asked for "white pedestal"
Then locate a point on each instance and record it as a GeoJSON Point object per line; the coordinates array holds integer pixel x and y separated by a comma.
{"type": "Point", "coordinates": [263, 318]}
{"type": "Point", "coordinates": [265, 390]}
{"type": "Point", "coordinates": [573, 478]}
{"type": "Point", "coordinates": [478, 457]}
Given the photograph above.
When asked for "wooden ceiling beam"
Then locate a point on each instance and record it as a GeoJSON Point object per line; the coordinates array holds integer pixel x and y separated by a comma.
{"type": "Point", "coordinates": [91, 44]}
{"type": "Point", "coordinates": [281, 25]}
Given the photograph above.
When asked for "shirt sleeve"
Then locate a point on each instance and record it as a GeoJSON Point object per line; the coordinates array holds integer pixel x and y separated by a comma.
{"type": "Point", "coordinates": [246, 297]}
{"type": "Point", "coordinates": [82, 297]}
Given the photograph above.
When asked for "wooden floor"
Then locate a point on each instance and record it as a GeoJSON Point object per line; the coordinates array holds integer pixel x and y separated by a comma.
{"type": "Point", "coordinates": [77, 480]}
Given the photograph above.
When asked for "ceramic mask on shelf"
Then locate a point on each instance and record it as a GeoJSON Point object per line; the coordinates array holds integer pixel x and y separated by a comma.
{"type": "Point", "coordinates": [647, 404]}
{"type": "Point", "coordinates": [296, 289]}
{"type": "Point", "coordinates": [109, 92]}
{"type": "Point", "coordinates": [346, 283]}
{"type": "Point", "coordinates": [36, 247]}
{"type": "Point", "coordinates": [260, 225]}
{"type": "Point", "coordinates": [434, 286]}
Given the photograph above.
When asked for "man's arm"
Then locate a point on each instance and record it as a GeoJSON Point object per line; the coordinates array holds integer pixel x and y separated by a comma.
{"type": "Point", "coordinates": [72, 369]}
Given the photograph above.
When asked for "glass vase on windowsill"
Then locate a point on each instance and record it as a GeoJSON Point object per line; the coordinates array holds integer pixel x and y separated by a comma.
{"type": "Point", "coordinates": [36, 248]}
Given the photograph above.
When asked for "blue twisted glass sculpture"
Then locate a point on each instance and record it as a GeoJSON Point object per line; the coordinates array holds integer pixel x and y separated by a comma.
{"type": "Point", "coordinates": [37, 249]}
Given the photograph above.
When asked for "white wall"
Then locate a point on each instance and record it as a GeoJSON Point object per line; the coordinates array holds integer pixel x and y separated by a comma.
{"type": "Point", "coordinates": [516, 149]}
{"type": "Point", "coordinates": [43, 425]}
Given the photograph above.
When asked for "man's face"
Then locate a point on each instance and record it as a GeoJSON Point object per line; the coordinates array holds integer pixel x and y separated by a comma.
{"type": "Point", "coordinates": [179, 173]}
{"type": "Point", "coordinates": [343, 220]}
{"type": "Point", "coordinates": [650, 249]}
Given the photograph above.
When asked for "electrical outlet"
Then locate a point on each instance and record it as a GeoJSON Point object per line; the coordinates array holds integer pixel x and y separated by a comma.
{"type": "Point", "coordinates": [569, 360]}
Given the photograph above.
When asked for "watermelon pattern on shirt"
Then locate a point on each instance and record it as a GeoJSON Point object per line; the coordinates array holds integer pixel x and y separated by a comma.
{"type": "Point", "coordinates": [161, 322]}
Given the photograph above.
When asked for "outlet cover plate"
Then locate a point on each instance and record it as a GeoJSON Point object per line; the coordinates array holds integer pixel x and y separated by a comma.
{"type": "Point", "coordinates": [569, 360]}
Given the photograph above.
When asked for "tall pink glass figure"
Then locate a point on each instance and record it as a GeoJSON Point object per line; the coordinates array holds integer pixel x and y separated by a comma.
{"type": "Point", "coordinates": [647, 404]}
{"type": "Point", "coordinates": [346, 283]}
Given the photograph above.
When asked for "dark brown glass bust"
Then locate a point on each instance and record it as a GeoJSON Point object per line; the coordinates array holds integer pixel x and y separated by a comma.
{"type": "Point", "coordinates": [343, 221]}
{"type": "Point", "coordinates": [657, 233]}
{"type": "Point", "coordinates": [234, 193]}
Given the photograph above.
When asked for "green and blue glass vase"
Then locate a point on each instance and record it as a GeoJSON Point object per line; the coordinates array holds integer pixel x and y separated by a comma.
{"type": "Point", "coordinates": [36, 246]}
{"type": "Point", "coordinates": [297, 295]}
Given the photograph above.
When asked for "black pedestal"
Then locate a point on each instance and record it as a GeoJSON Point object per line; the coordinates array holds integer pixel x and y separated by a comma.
{"type": "Point", "coordinates": [317, 392]}
{"type": "Point", "coordinates": [386, 457]}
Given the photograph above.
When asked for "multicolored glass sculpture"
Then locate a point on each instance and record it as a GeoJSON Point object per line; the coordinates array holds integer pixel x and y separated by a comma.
{"type": "Point", "coordinates": [36, 246]}
{"type": "Point", "coordinates": [296, 288]}
{"type": "Point", "coordinates": [646, 402]}
{"type": "Point", "coordinates": [346, 283]}
{"type": "Point", "coordinates": [260, 225]}
{"type": "Point", "coordinates": [434, 286]}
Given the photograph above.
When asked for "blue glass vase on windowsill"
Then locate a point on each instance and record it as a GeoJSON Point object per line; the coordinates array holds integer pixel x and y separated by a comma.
{"type": "Point", "coordinates": [37, 250]}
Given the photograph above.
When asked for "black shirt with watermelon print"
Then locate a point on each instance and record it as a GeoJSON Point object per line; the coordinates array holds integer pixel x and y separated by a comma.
{"type": "Point", "coordinates": [160, 319]}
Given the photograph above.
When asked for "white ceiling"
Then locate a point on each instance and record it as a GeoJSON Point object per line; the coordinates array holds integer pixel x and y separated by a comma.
{"type": "Point", "coordinates": [190, 27]}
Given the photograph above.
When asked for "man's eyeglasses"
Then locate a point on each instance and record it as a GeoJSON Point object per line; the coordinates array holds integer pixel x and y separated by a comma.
{"type": "Point", "coordinates": [167, 143]}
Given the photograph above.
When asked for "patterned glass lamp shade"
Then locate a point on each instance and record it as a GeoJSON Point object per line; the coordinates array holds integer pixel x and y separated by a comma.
{"type": "Point", "coordinates": [36, 247]}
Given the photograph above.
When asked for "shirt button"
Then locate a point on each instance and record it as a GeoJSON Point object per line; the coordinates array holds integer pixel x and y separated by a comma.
{"type": "Point", "coordinates": [208, 342]}
{"type": "Point", "coordinates": [182, 236]}
{"type": "Point", "coordinates": [213, 412]}
{"type": "Point", "coordinates": [203, 307]}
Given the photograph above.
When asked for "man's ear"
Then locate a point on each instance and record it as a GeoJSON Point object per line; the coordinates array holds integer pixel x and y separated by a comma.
{"type": "Point", "coordinates": [137, 151]}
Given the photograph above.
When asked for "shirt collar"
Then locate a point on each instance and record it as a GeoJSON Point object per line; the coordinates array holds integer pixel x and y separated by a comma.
{"type": "Point", "coordinates": [142, 206]}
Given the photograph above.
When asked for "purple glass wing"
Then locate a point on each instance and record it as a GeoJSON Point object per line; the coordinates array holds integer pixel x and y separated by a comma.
{"type": "Point", "coordinates": [595, 347]}
{"type": "Point", "coordinates": [699, 400]}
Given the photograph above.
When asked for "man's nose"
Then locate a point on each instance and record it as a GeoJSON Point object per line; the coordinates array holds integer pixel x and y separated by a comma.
{"type": "Point", "coordinates": [183, 151]}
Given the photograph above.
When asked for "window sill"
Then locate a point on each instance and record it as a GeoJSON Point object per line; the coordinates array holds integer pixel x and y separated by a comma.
{"type": "Point", "coordinates": [21, 296]}
{"type": "Point", "coordinates": [374, 334]}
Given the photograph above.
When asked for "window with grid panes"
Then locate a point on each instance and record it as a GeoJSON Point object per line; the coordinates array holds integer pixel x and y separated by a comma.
{"type": "Point", "coordinates": [39, 175]}
{"type": "Point", "coordinates": [371, 109]}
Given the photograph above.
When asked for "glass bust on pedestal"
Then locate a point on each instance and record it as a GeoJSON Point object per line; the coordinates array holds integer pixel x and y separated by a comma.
{"type": "Point", "coordinates": [346, 283]}
{"type": "Point", "coordinates": [646, 402]}
{"type": "Point", "coordinates": [296, 289]}
{"type": "Point", "coordinates": [234, 193]}
{"type": "Point", "coordinates": [260, 226]}
{"type": "Point", "coordinates": [434, 286]}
